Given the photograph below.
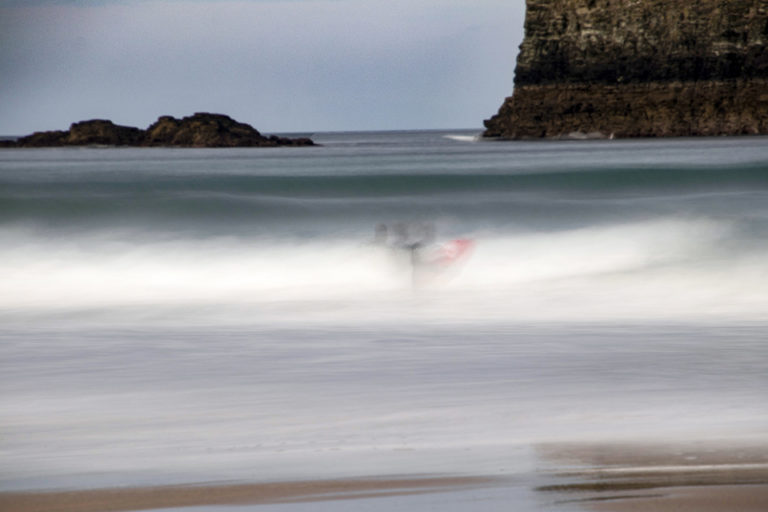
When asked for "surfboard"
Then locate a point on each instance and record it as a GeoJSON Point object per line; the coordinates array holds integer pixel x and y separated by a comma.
{"type": "Point", "coordinates": [453, 251]}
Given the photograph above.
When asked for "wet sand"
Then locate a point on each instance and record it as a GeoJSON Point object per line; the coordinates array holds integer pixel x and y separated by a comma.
{"type": "Point", "coordinates": [700, 477]}
{"type": "Point", "coordinates": [146, 498]}
{"type": "Point", "coordinates": [720, 498]}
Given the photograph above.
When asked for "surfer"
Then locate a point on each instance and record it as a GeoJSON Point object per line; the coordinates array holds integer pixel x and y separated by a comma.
{"type": "Point", "coordinates": [421, 240]}
{"type": "Point", "coordinates": [414, 246]}
{"type": "Point", "coordinates": [411, 240]}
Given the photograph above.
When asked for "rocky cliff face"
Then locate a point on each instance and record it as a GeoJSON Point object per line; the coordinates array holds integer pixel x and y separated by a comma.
{"type": "Point", "coordinates": [639, 68]}
{"type": "Point", "coordinates": [198, 130]}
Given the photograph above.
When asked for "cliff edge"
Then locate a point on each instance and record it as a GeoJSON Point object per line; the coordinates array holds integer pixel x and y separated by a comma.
{"type": "Point", "coordinates": [639, 68]}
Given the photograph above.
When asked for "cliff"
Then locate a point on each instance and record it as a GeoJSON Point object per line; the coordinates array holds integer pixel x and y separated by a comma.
{"type": "Point", "coordinates": [200, 130]}
{"type": "Point", "coordinates": [639, 68]}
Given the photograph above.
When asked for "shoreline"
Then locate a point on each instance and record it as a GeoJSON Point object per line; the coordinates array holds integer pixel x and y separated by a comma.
{"type": "Point", "coordinates": [713, 498]}
{"type": "Point", "coordinates": [692, 477]}
{"type": "Point", "coordinates": [192, 495]}
{"type": "Point", "coordinates": [626, 477]}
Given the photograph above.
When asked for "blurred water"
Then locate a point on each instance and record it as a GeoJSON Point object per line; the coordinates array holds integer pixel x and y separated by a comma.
{"type": "Point", "coordinates": [209, 315]}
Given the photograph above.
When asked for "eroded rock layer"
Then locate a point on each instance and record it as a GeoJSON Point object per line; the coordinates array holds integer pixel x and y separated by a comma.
{"type": "Point", "coordinates": [639, 68]}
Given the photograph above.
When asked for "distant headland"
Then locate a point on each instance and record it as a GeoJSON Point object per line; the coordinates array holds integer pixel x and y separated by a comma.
{"type": "Point", "coordinates": [628, 68]}
{"type": "Point", "coordinates": [201, 130]}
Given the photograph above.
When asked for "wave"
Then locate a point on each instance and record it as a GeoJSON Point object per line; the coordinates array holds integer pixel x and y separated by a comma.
{"type": "Point", "coordinates": [394, 183]}
{"type": "Point", "coordinates": [592, 230]}
{"type": "Point", "coordinates": [464, 138]}
{"type": "Point", "coordinates": [660, 269]}
{"type": "Point", "coordinates": [231, 200]}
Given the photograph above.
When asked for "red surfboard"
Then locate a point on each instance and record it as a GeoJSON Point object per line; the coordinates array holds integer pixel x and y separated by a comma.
{"type": "Point", "coordinates": [453, 251]}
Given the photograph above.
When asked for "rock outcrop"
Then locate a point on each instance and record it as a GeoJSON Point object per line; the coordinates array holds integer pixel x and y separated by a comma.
{"type": "Point", "coordinates": [639, 68]}
{"type": "Point", "coordinates": [93, 132]}
{"type": "Point", "coordinates": [201, 130]}
{"type": "Point", "coordinates": [211, 130]}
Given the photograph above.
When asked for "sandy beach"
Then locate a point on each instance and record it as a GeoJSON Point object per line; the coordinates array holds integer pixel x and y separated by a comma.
{"type": "Point", "coordinates": [147, 498]}
{"type": "Point", "coordinates": [628, 477]}
{"type": "Point", "coordinates": [744, 498]}
{"type": "Point", "coordinates": [698, 498]}
{"type": "Point", "coordinates": [701, 477]}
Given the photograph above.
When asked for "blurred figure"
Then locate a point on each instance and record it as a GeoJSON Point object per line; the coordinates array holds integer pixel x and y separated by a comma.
{"type": "Point", "coordinates": [420, 238]}
{"type": "Point", "coordinates": [415, 241]}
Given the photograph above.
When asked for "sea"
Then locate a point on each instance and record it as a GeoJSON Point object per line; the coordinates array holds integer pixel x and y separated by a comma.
{"type": "Point", "coordinates": [235, 315]}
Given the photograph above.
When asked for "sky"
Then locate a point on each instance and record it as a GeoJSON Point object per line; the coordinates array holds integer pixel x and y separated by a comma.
{"type": "Point", "coordinates": [279, 65]}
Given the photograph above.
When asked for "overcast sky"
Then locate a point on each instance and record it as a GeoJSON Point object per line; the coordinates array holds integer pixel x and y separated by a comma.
{"type": "Point", "coordinates": [280, 65]}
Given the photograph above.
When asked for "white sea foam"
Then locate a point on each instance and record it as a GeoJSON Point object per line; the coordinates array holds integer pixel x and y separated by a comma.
{"type": "Point", "coordinates": [651, 270]}
{"type": "Point", "coordinates": [463, 138]}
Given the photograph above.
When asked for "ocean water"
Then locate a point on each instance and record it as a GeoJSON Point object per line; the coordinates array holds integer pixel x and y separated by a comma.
{"type": "Point", "coordinates": [204, 315]}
